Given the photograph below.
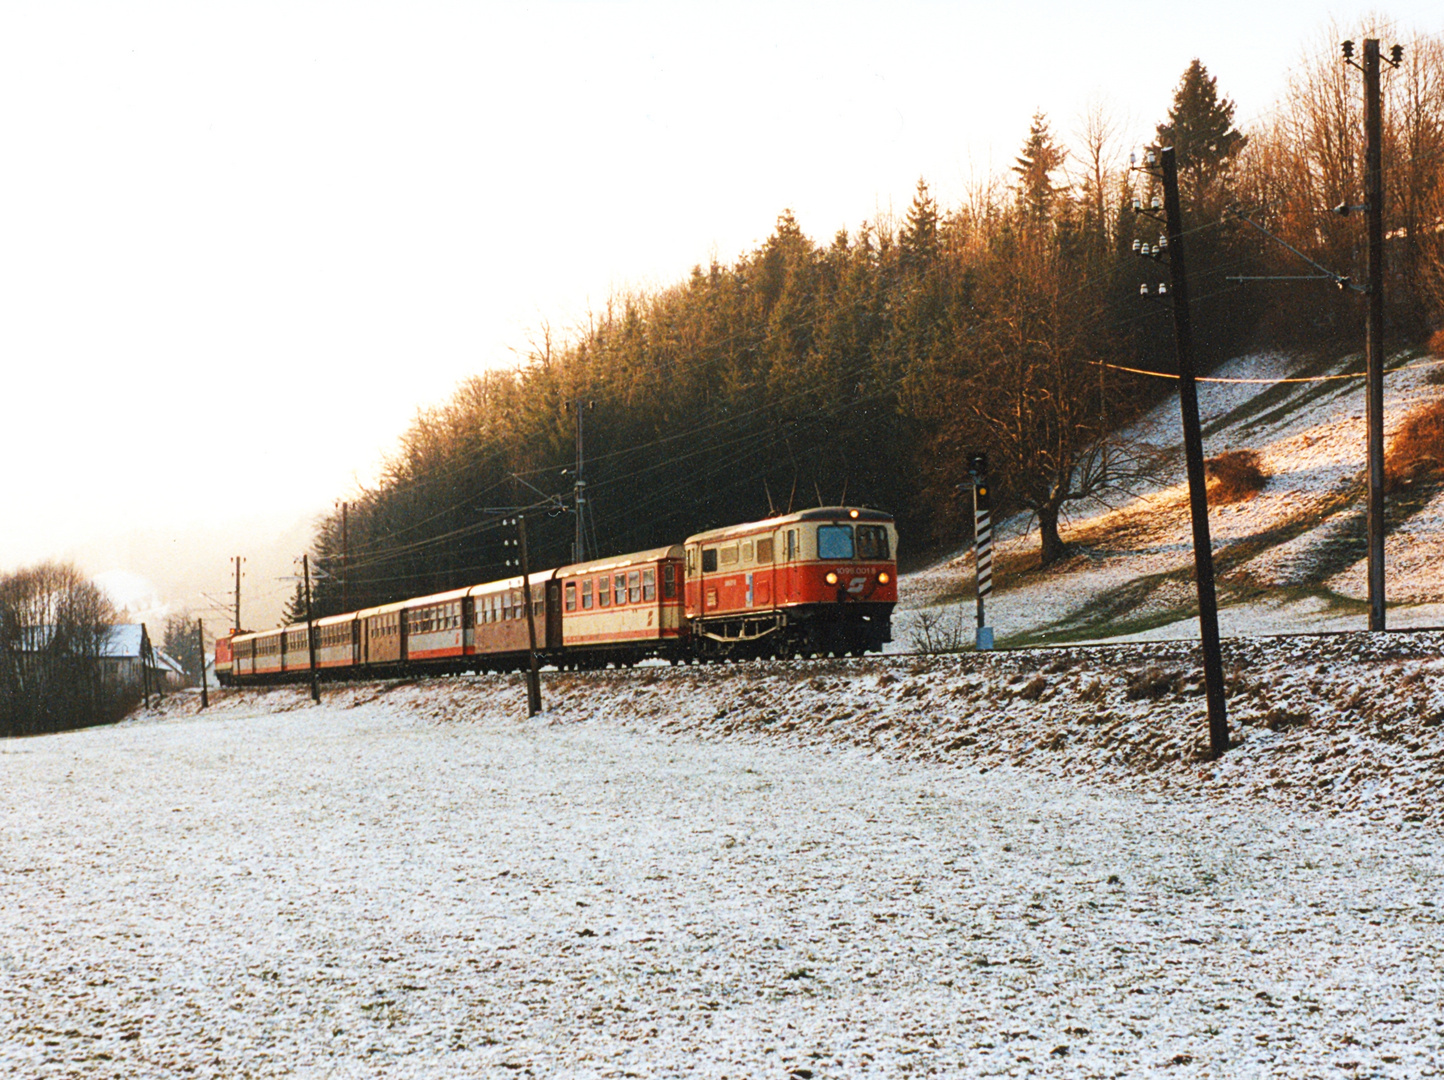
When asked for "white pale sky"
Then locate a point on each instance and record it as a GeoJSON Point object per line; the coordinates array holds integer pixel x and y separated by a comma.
{"type": "Point", "coordinates": [241, 244]}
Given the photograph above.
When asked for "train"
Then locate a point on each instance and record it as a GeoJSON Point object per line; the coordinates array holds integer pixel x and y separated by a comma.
{"type": "Point", "coordinates": [816, 582]}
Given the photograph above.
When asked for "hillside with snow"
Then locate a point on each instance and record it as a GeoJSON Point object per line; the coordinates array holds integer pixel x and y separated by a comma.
{"type": "Point", "coordinates": [1289, 558]}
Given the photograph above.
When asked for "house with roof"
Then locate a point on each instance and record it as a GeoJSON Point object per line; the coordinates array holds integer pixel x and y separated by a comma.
{"type": "Point", "coordinates": [127, 656]}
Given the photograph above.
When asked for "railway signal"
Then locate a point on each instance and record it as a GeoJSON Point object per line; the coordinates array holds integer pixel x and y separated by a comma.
{"type": "Point", "coordinates": [982, 543]}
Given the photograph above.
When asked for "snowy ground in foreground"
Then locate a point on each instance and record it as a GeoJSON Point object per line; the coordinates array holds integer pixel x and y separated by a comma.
{"type": "Point", "coordinates": [410, 881]}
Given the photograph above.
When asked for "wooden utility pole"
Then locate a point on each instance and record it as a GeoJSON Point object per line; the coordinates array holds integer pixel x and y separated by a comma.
{"type": "Point", "coordinates": [533, 676]}
{"type": "Point", "coordinates": [345, 559]}
{"type": "Point", "coordinates": [1193, 459]}
{"type": "Point", "coordinates": [310, 630]}
{"type": "Point", "coordinates": [1374, 324]}
{"type": "Point", "coordinates": [238, 560]}
{"type": "Point", "coordinates": [579, 487]}
{"type": "Point", "coordinates": [145, 665]}
{"type": "Point", "coordinates": [201, 641]}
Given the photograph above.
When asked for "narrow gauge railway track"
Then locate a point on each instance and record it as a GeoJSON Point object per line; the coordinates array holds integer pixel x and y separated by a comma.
{"type": "Point", "coordinates": [1240, 654]}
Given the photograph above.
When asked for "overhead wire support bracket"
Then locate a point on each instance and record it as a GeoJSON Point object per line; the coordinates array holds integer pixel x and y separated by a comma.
{"type": "Point", "coordinates": [1341, 280]}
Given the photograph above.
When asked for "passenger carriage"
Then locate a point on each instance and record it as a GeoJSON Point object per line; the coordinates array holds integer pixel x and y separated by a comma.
{"type": "Point", "coordinates": [435, 630]}
{"type": "Point", "coordinates": [338, 643]}
{"type": "Point", "coordinates": [818, 581]}
{"type": "Point", "coordinates": [382, 644]}
{"type": "Point", "coordinates": [623, 609]}
{"type": "Point", "coordinates": [501, 635]}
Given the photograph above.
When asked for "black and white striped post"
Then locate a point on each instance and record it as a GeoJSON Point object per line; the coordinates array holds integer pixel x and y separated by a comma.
{"type": "Point", "coordinates": [982, 543]}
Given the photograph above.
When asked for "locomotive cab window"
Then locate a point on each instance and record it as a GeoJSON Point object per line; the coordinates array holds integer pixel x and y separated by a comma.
{"type": "Point", "coordinates": [872, 542]}
{"type": "Point", "coordinates": [834, 542]}
{"type": "Point", "coordinates": [709, 560]}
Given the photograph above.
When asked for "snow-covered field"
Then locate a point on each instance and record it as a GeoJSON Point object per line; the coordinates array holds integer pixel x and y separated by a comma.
{"type": "Point", "coordinates": [980, 865]}
{"type": "Point", "coordinates": [1290, 558]}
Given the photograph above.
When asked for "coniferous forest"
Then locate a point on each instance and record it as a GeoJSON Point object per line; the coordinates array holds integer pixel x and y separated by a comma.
{"type": "Point", "coordinates": [864, 367]}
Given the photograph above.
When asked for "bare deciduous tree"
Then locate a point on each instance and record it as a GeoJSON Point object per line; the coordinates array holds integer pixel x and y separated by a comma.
{"type": "Point", "coordinates": [53, 626]}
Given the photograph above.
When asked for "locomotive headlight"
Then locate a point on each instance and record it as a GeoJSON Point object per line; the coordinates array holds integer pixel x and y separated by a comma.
{"type": "Point", "coordinates": [852, 513]}
{"type": "Point", "coordinates": [831, 578]}
{"type": "Point", "coordinates": [883, 578]}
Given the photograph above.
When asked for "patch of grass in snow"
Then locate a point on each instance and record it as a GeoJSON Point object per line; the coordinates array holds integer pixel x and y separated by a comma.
{"type": "Point", "coordinates": [1332, 601]}
{"type": "Point", "coordinates": [1111, 614]}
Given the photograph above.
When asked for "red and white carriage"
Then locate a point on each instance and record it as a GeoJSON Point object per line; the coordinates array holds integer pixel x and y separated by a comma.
{"type": "Point", "coordinates": [623, 609]}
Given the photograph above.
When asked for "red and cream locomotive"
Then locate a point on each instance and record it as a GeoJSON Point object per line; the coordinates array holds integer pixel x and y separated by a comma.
{"type": "Point", "coordinates": [815, 582]}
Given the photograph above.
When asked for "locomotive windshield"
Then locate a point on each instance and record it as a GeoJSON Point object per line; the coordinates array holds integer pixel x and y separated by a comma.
{"type": "Point", "coordinates": [834, 541]}
{"type": "Point", "coordinates": [837, 542]}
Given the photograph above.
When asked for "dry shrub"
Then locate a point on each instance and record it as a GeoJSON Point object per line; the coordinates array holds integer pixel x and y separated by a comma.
{"type": "Point", "coordinates": [1152, 683]}
{"type": "Point", "coordinates": [1234, 476]}
{"type": "Point", "coordinates": [1034, 690]}
{"type": "Point", "coordinates": [1417, 450]}
{"type": "Point", "coordinates": [1436, 350]}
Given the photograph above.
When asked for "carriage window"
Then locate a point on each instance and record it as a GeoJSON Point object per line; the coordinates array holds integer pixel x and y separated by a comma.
{"type": "Point", "coordinates": [571, 596]}
{"type": "Point", "coordinates": [634, 583]}
{"type": "Point", "coordinates": [619, 584]}
{"type": "Point", "coordinates": [834, 541]}
{"type": "Point", "coordinates": [587, 594]}
{"type": "Point", "coordinates": [649, 584]}
{"type": "Point", "coordinates": [669, 581]}
{"type": "Point", "coordinates": [709, 561]}
{"type": "Point", "coordinates": [764, 550]}
{"type": "Point", "coordinates": [604, 592]}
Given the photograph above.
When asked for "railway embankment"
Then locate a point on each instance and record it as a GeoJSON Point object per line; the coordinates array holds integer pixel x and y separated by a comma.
{"type": "Point", "coordinates": [1331, 724]}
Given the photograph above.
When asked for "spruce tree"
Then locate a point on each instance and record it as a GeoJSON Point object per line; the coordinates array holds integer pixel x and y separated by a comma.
{"type": "Point", "coordinates": [1040, 158]}
{"type": "Point", "coordinates": [919, 240]}
{"type": "Point", "coordinates": [1200, 130]}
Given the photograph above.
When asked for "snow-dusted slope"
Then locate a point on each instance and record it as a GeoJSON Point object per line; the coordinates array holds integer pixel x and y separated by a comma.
{"type": "Point", "coordinates": [1290, 558]}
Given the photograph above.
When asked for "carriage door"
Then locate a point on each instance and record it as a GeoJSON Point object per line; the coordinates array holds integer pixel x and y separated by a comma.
{"type": "Point", "coordinates": [554, 614]}
{"type": "Point", "coordinates": [791, 553]}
